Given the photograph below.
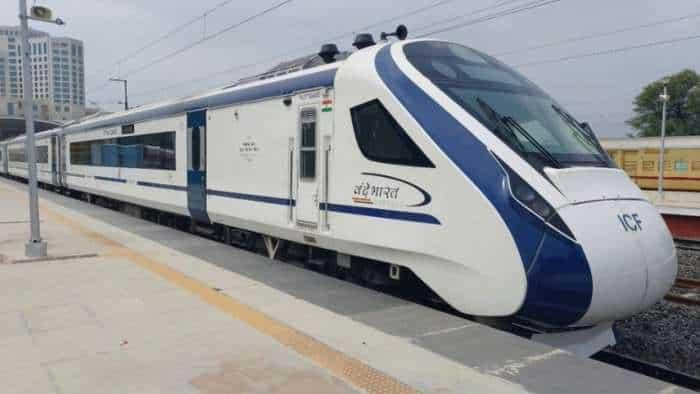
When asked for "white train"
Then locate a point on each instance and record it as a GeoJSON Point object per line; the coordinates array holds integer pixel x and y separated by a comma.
{"type": "Point", "coordinates": [424, 155]}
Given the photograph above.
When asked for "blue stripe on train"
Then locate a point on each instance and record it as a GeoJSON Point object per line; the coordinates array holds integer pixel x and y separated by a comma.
{"type": "Point", "coordinates": [110, 179]}
{"type": "Point", "coordinates": [382, 213]}
{"type": "Point", "coordinates": [339, 208]}
{"type": "Point", "coordinates": [252, 197]}
{"type": "Point", "coordinates": [162, 186]}
{"type": "Point", "coordinates": [548, 299]}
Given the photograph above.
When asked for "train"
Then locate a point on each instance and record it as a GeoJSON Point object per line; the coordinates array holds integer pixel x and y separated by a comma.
{"type": "Point", "coordinates": [404, 157]}
{"type": "Point", "coordinates": [639, 157]}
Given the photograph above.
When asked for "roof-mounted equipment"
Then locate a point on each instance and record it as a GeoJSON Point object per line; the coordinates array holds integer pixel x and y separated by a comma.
{"type": "Point", "coordinates": [363, 40]}
{"type": "Point", "coordinates": [328, 52]}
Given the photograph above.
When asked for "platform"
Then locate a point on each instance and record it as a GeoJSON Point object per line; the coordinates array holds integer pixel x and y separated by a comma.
{"type": "Point", "coordinates": [126, 306]}
{"type": "Point", "coordinates": [681, 211]}
{"type": "Point", "coordinates": [676, 202]}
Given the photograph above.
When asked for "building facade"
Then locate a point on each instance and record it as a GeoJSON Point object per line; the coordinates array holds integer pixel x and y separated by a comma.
{"type": "Point", "coordinates": [58, 71]}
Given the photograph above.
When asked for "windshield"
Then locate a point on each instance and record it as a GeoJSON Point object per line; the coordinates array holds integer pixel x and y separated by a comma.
{"type": "Point", "coordinates": [513, 108]}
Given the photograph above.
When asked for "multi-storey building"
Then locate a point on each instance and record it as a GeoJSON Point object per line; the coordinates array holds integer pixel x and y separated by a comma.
{"type": "Point", "coordinates": [58, 71]}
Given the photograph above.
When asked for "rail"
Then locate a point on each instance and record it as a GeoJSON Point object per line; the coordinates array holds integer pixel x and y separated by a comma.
{"type": "Point", "coordinates": [684, 244]}
{"type": "Point", "coordinates": [689, 298]}
{"type": "Point", "coordinates": [655, 371]}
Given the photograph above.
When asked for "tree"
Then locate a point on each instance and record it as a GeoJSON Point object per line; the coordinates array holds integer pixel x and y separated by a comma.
{"type": "Point", "coordinates": [683, 112]}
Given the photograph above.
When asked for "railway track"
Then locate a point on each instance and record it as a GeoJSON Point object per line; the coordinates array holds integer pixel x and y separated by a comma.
{"type": "Point", "coordinates": [686, 291]}
{"type": "Point", "coordinates": [690, 292]}
{"type": "Point", "coordinates": [686, 244]}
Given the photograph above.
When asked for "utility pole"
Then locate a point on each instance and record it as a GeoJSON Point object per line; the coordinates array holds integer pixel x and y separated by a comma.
{"type": "Point", "coordinates": [36, 247]}
{"type": "Point", "coordinates": [126, 92]}
{"type": "Point", "coordinates": [664, 99]}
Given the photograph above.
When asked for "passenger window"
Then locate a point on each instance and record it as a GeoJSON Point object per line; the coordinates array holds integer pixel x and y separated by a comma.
{"type": "Point", "coordinates": [680, 166]}
{"type": "Point", "coordinates": [148, 151]}
{"type": "Point", "coordinates": [80, 153]}
{"type": "Point", "coordinates": [17, 154]}
{"type": "Point", "coordinates": [307, 166]}
{"type": "Point", "coordinates": [382, 139]}
{"type": "Point", "coordinates": [42, 154]}
{"type": "Point", "coordinates": [196, 149]}
{"type": "Point", "coordinates": [128, 129]}
{"type": "Point", "coordinates": [629, 166]}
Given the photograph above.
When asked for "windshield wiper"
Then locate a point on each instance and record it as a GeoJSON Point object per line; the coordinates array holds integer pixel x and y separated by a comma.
{"type": "Point", "coordinates": [514, 123]}
{"type": "Point", "coordinates": [580, 131]}
{"type": "Point", "coordinates": [511, 124]}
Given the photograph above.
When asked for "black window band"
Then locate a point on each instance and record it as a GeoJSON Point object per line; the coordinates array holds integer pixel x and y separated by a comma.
{"type": "Point", "coordinates": [382, 139]}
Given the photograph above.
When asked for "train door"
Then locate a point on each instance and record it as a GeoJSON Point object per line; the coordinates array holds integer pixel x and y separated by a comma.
{"type": "Point", "coordinates": [307, 204]}
{"type": "Point", "coordinates": [3, 160]}
{"type": "Point", "coordinates": [197, 165]}
{"type": "Point", "coordinates": [62, 158]}
{"type": "Point", "coordinates": [54, 160]}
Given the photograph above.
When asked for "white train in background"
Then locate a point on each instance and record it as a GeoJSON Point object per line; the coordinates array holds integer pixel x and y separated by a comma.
{"type": "Point", "coordinates": [415, 155]}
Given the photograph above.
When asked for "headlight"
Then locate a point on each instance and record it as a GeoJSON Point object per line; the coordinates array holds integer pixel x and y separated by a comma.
{"type": "Point", "coordinates": [526, 195]}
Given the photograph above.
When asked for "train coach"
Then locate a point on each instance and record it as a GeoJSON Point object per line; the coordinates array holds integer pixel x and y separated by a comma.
{"type": "Point", "coordinates": [639, 157]}
{"type": "Point", "coordinates": [3, 159]}
{"type": "Point", "coordinates": [46, 149]}
{"type": "Point", "coordinates": [414, 156]}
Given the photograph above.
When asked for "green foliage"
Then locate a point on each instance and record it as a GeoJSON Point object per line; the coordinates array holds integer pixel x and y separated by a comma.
{"type": "Point", "coordinates": [683, 112]}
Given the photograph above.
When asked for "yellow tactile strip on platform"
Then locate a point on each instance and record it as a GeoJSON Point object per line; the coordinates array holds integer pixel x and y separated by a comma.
{"type": "Point", "coordinates": [353, 371]}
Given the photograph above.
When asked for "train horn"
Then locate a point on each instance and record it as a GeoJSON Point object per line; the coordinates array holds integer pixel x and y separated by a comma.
{"type": "Point", "coordinates": [401, 33]}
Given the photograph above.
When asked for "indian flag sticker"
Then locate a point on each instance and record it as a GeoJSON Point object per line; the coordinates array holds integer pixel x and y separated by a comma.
{"type": "Point", "coordinates": [327, 105]}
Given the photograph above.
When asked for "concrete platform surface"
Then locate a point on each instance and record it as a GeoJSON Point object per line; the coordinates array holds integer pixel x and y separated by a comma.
{"type": "Point", "coordinates": [676, 202]}
{"type": "Point", "coordinates": [127, 306]}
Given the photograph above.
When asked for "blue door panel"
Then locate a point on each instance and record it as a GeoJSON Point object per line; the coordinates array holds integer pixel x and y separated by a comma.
{"type": "Point", "coordinates": [196, 195]}
{"type": "Point", "coordinates": [197, 176]}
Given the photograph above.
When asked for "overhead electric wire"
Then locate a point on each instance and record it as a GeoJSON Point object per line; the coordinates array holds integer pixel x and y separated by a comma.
{"type": "Point", "coordinates": [409, 13]}
{"type": "Point", "coordinates": [198, 79]}
{"type": "Point", "coordinates": [611, 51]}
{"type": "Point", "coordinates": [598, 35]}
{"type": "Point", "coordinates": [200, 41]}
{"type": "Point", "coordinates": [286, 53]}
{"type": "Point", "coordinates": [461, 16]}
{"type": "Point", "coordinates": [208, 37]}
{"type": "Point", "coordinates": [497, 15]}
{"type": "Point", "coordinates": [374, 24]}
{"type": "Point", "coordinates": [164, 37]}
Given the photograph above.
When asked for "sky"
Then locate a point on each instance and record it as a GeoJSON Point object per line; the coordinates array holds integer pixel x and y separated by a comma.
{"type": "Point", "coordinates": [597, 89]}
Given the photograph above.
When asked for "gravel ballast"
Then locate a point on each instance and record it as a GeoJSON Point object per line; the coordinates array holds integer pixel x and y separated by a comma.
{"type": "Point", "coordinates": [689, 264]}
{"type": "Point", "coordinates": [667, 334]}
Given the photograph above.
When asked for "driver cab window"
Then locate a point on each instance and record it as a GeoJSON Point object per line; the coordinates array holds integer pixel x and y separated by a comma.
{"type": "Point", "coordinates": [382, 139]}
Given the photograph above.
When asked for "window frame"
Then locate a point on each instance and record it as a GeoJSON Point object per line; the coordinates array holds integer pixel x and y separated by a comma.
{"type": "Point", "coordinates": [308, 116]}
{"type": "Point", "coordinates": [17, 155]}
{"type": "Point", "coordinates": [42, 154]}
{"type": "Point", "coordinates": [577, 150]}
{"type": "Point", "coordinates": [121, 144]}
{"type": "Point", "coordinates": [420, 159]}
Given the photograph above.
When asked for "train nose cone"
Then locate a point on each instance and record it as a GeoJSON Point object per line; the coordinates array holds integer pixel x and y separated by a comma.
{"type": "Point", "coordinates": [630, 253]}
{"type": "Point", "coordinates": [656, 243]}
